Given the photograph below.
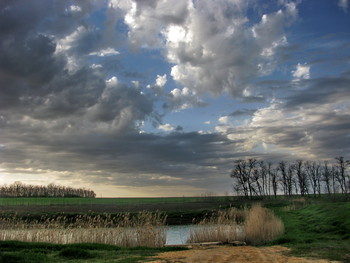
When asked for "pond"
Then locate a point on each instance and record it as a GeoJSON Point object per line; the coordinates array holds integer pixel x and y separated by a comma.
{"type": "Point", "coordinates": [178, 235]}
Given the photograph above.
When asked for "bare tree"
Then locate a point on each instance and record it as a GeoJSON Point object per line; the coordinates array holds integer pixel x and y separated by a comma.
{"type": "Point", "coordinates": [327, 177]}
{"type": "Point", "coordinates": [312, 170]}
{"type": "Point", "coordinates": [283, 177]}
{"type": "Point", "coordinates": [18, 189]}
{"type": "Point", "coordinates": [342, 178]}
{"type": "Point", "coordinates": [301, 177]}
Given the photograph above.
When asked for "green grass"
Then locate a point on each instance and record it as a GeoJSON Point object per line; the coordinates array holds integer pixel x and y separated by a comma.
{"type": "Point", "coordinates": [23, 252]}
{"type": "Point", "coordinates": [318, 230]}
{"type": "Point", "coordinates": [101, 201]}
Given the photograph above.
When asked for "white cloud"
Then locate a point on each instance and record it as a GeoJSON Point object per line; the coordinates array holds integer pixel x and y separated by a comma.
{"type": "Point", "coordinates": [161, 80]}
{"type": "Point", "coordinates": [181, 99]}
{"type": "Point", "coordinates": [65, 43]}
{"type": "Point", "coordinates": [113, 81]}
{"type": "Point", "coordinates": [74, 8]}
{"type": "Point", "coordinates": [96, 66]}
{"type": "Point", "coordinates": [212, 44]}
{"type": "Point", "coordinates": [302, 71]}
{"type": "Point", "coordinates": [223, 119]}
{"type": "Point", "coordinates": [105, 52]}
{"type": "Point", "coordinates": [344, 4]}
{"type": "Point", "coordinates": [166, 127]}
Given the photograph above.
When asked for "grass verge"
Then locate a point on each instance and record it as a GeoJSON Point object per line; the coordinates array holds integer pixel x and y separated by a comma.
{"type": "Point", "coordinates": [318, 230]}
{"type": "Point", "coordinates": [25, 252]}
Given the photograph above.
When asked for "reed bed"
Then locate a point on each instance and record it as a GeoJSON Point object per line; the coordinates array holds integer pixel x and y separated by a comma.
{"type": "Point", "coordinates": [126, 230]}
{"type": "Point", "coordinates": [222, 226]}
{"type": "Point", "coordinates": [261, 226]}
{"type": "Point", "coordinates": [256, 225]}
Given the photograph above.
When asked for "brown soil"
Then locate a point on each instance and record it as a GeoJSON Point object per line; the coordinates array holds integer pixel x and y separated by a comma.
{"type": "Point", "coordinates": [219, 254]}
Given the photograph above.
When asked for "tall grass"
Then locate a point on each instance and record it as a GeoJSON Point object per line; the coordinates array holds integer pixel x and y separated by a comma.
{"type": "Point", "coordinates": [261, 225]}
{"type": "Point", "coordinates": [256, 225]}
{"type": "Point", "coordinates": [127, 230]}
{"type": "Point", "coordinates": [222, 226]}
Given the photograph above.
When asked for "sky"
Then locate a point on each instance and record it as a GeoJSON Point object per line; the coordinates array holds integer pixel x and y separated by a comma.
{"type": "Point", "coordinates": [158, 98]}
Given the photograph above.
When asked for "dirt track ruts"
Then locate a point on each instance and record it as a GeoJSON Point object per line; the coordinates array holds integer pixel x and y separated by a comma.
{"type": "Point", "coordinates": [228, 254]}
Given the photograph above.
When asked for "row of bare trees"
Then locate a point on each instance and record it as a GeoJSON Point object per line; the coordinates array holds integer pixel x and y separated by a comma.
{"type": "Point", "coordinates": [258, 178]}
{"type": "Point", "coordinates": [18, 189]}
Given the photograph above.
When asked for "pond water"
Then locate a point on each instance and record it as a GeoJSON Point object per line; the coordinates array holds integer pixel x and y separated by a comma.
{"type": "Point", "coordinates": [178, 235]}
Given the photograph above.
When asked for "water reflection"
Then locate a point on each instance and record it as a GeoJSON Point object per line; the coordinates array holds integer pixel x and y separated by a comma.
{"type": "Point", "coordinates": [178, 235]}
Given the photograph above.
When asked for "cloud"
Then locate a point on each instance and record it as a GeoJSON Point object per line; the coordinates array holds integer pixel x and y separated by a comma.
{"type": "Point", "coordinates": [344, 4]}
{"type": "Point", "coordinates": [166, 127]}
{"type": "Point", "coordinates": [191, 31]}
{"type": "Point", "coordinates": [72, 106]}
{"type": "Point", "coordinates": [302, 71]}
{"type": "Point", "coordinates": [223, 119]}
{"type": "Point", "coordinates": [181, 99]}
{"type": "Point", "coordinates": [243, 112]}
{"type": "Point", "coordinates": [161, 80]}
{"type": "Point", "coordinates": [293, 126]}
{"type": "Point", "coordinates": [63, 114]}
{"type": "Point", "coordinates": [105, 52]}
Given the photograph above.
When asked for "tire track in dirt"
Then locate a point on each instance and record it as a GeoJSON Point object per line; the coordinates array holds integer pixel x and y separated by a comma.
{"type": "Point", "coordinates": [228, 254]}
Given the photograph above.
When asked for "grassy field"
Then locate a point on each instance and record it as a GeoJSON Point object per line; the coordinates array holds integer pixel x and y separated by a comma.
{"type": "Point", "coordinates": [23, 252]}
{"type": "Point", "coordinates": [314, 227]}
{"type": "Point", "coordinates": [318, 230]}
{"type": "Point", "coordinates": [102, 201]}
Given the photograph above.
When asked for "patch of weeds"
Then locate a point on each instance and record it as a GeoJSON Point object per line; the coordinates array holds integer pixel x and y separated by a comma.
{"type": "Point", "coordinates": [93, 246]}
{"type": "Point", "coordinates": [18, 257]}
{"type": "Point", "coordinates": [75, 253]}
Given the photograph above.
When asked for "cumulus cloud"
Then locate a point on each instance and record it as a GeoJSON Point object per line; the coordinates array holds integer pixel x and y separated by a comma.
{"type": "Point", "coordinates": [302, 71]}
{"type": "Point", "coordinates": [213, 45]}
{"type": "Point", "coordinates": [71, 106]}
{"type": "Point", "coordinates": [161, 80]}
{"type": "Point", "coordinates": [181, 99]}
{"type": "Point", "coordinates": [59, 100]}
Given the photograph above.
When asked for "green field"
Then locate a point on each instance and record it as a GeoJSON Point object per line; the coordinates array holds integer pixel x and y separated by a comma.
{"type": "Point", "coordinates": [101, 201]}
{"type": "Point", "coordinates": [314, 227]}
{"type": "Point", "coordinates": [318, 230]}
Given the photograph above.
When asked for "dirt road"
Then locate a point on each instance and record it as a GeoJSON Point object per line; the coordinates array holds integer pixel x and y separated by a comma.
{"type": "Point", "coordinates": [225, 254]}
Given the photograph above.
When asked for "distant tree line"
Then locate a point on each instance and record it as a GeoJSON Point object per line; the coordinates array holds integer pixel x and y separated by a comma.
{"type": "Point", "coordinates": [18, 189]}
{"type": "Point", "coordinates": [254, 178]}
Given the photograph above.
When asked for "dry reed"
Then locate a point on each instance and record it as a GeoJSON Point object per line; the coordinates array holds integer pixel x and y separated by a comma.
{"type": "Point", "coordinates": [221, 227]}
{"type": "Point", "coordinates": [144, 229]}
{"type": "Point", "coordinates": [255, 226]}
{"type": "Point", "coordinates": [261, 225]}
